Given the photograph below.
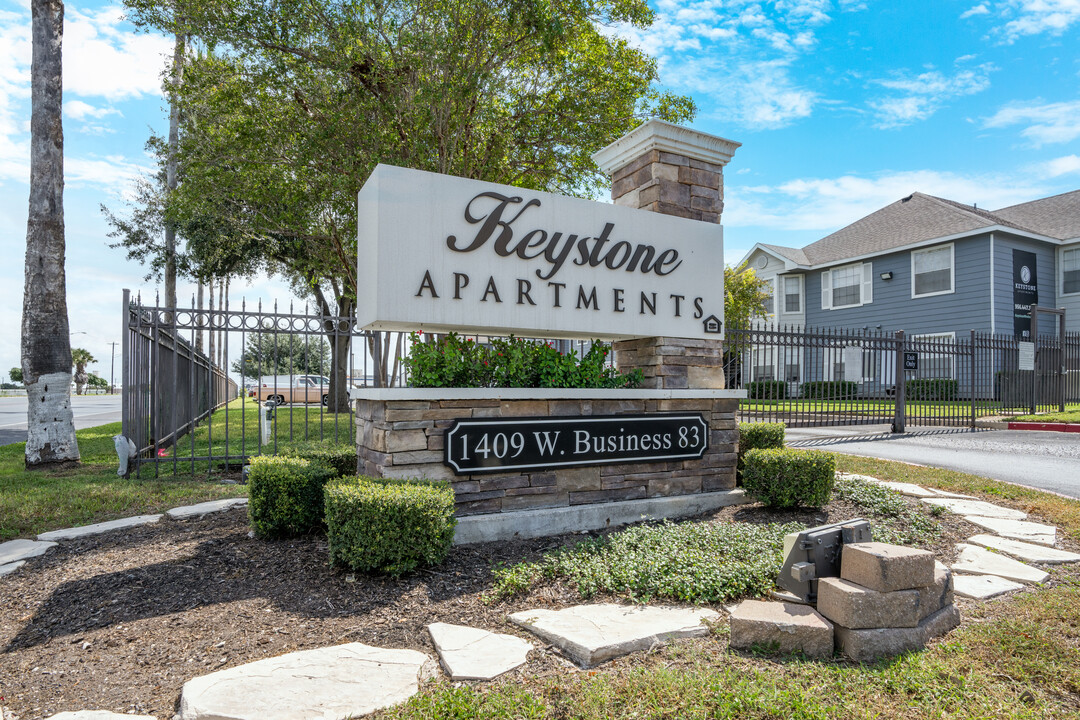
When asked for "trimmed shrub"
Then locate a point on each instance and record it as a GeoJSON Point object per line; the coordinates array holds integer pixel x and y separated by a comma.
{"type": "Point", "coordinates": [767, 390]}
{"type": "Point", "coordinates": [388, 526]}
{"type": "Point", "coordinates": [285, 495]}
{"type": "Point", "coordinates": [758, 436]}
{"type": "Point", "coordinates": [932, 389]}
{"type": "Point", "coordinates": [787, 478]}
{"type": "Point", "coordinates": [339, 457]}
{"type": "Point", "coordinates": [830, 390]}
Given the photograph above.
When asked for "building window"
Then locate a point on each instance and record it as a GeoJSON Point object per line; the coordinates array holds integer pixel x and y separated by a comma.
{"type": "Point", "coordinates": [792, 294]}
{"type": "Point", "coordinates": [847, 286]}
{"type": "Point", "coordinates": [932, 271]}
{"type": "Point", "coordinates": [1070, 271]}
{"type": "Point", "coordinates": [770, 300]}
{"type": "Point", "coordinates": [936, 353]}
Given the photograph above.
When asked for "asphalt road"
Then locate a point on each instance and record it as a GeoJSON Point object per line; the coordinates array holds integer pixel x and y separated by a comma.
{"type": "Point", "coordinates": [89, 411]}
{"type": "Point", "coordinates": [1044, 460]}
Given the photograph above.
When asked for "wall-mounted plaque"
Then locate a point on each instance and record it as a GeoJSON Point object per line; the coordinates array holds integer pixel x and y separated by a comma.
{"type": "Point", "coordinates": [525, 444]}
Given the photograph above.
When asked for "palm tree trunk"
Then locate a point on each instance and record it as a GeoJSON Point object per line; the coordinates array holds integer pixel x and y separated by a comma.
{"type": "Point", "coordinates": [46, 344]}
{"type": "Point", "coordinates": [170, 170]}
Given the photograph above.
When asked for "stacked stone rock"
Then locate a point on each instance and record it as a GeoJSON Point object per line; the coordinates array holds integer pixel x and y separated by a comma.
{"type": "Point", "coordinates": [673, 363]}
{"type": "Point", "coordinates": [672, 184]}
{"type": "Point", "coordinates": [888, 600]}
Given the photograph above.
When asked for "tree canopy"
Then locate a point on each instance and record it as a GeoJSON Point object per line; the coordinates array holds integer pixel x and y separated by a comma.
{"type": "Point", "coordinates": [269, 353]}
{"type": "Point", "coordinates": [745, 295]}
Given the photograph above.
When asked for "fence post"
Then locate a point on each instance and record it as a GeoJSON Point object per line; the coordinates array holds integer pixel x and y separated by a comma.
{"type": "Point", "coordinates": [900, 412]}
{"type": "Point", "coordinates": [1063, 369]}
{"type": "Point", "coordinates": [1035, 368]}
{"type": "Point", "coordinates": [125, 366]}
{"type": "Point", "coordinates": [973, 376]}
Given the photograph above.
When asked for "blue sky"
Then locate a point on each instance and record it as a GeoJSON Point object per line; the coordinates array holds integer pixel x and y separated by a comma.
{"type": "Point", "coordinates": [842, 106]}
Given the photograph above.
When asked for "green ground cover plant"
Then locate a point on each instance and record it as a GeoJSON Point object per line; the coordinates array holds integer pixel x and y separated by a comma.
{"type": "Point", "coordinates": [691, 562]}
{"type": "Point", "coordinates": [454, 361]}
{"type": "Point", "coordinates": [1071, 415]}
{"type": "Point", "coordinates": [893, 519]}
{"type": "Point", "coordinates": [388, 526]}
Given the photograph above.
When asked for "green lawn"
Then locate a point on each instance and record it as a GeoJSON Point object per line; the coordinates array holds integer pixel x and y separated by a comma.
{"type": "Point", "coordinates": [38, 501]}
{"type": "Point", "coordinates": [1071, 415]}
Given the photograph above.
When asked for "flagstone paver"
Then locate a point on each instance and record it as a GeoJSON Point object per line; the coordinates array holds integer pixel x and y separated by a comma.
{"type": "Point", "coordinates": [1025, 551]}
{"type": "Point", "coordinates": [591, 634]}
{"type": "Point", "coordinates": [98, 715]}
{"type": "Point", "coordinates": [980, 561]}
{"type": "Point", "coordinates": [15, 550]}
{"type": "Point", "coordinates": [981, 587]}
{"type": "Point", "coordinates": [469, 653]}
{"type": "Point", "coordinates": [909, 489]}
{"type": "Point", "coordinates": [190, 511]}
{"type": "Point", "coordinates": [976, 507]}
{"type": "Point", "coordinates": [8, 568]}
{"type": "Point", "coordinates": [97, 528]}
{"type": "Point", "coordinates": [1016, 529]}
{"type": "Point", "coordinates": [329, 683]}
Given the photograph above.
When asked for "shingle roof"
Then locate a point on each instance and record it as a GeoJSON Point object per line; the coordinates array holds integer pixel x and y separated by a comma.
{"type": "Point", "coordinates": [796, 255]}
{"type": "Point", "coordinates": [1057, 216]}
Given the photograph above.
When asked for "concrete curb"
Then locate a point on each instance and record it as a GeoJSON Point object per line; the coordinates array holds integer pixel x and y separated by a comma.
{"type": "Point", "coordinates": [1051, 427]}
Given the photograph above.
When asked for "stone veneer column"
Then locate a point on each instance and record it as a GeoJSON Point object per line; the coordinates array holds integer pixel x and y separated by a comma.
{"type": "Point", "coordinates": [673, 170]}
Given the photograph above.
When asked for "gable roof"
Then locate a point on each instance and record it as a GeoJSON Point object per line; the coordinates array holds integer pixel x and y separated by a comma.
{"type": "Point", "coordinates": [1057, 217]}
{"type": "Point", "coordinates": [796, 255]}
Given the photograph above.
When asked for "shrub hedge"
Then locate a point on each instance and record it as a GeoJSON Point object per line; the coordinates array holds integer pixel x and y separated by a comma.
{"type": "Point", "coordinates": [387, 525]}
{"type": "Point", "coordinates": [932, 389]}
{"type": "Point", "coordinates": [339, 457]}
{"type": "Point", "coordinates": [758, 436]}
{"type": "Point", "coordinates": [766, 390]}
{"type": "Point", "coordinates": [829, 390]}
{"type": "Point", "coordinates": [786, 478]}
{"type": "Point", "coordinates": [285, 495]}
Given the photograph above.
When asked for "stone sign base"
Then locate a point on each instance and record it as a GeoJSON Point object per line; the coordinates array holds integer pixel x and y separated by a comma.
{"type": "Point", "coordinates": [400, 433]}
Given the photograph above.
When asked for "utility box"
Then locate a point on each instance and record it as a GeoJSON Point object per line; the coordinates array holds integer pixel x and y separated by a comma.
{"type": "Point", "coordinates": [266, 420]}
{"type": "Point", "coordinates": [815, 553]}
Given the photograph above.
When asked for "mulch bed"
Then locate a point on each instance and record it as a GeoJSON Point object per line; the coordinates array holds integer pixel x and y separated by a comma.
{"type": "Point", "coordinates": [120, 621]}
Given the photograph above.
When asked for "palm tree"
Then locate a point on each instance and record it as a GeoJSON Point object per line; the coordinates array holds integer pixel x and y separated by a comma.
{"type": "Point", "coordinates": [80, 358]}
{"type": "Point", "coordinates": [46, 346]}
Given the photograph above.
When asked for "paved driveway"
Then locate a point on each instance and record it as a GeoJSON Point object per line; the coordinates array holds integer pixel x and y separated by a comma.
{"type": "Point", "coordinates": [89, 411]}
{"type": "Point", "coordinates": [1044, 460]}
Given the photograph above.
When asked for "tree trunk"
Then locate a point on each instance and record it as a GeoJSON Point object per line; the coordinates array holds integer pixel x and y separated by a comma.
{"type": "Point", "coordinates": [340, 345]}
{"type": "Point", "coordinates": [199, 333]}
{"type": "Point", "coordinates": [210, 330]}
{"type": "Point", "coordinates": [170, 170]}
{"type": "Point", "coordinates": [221, 334]}
{"type": "Point", "coordinates": [46, 343]}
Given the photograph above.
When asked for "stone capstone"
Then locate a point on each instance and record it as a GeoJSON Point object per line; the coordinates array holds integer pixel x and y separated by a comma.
{"type": "Point", "coordinates": [1025, 551]}
{"type": "Point", "coordinates": [189, 511]}
{"type": "Point", "coordinates": [98, 715]}
{"type": "Point", "coordinates": [982, 587]}
{"type": "Point", "coordinates": [591, 634]}
{"type": "Point", "coordinates": [472, 654]}
{"type": "Point", "coordinates": [1016, 529]}
{"type": "Point", "coordinates": [98, 528]}
{"type": "Point", "coordinates": [854, 606]}
{"type": "Point", "coordinates": [934, 597]}
{"type": "Point", "coordinates": [786, 626]}
{"type": "Point", "coordinates": [325, 684]}
{"type": "Point", "coordinates": [13, 551]}
{"type": "Point", "coordinates": [870, 644]}
{"type": "Point", "coordinates": [976, 507]}
{"type": "Point", "coordinates": [886, 568]}
{"type": "Point", "coordinates": [979, 561]}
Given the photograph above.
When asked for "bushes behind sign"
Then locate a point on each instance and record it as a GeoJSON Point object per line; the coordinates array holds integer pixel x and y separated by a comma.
{"type": "Point", "coordinates": [454, 361]}
{"type": "Point", "coordinates": [785, 478]}
{"type": "Point", "coordinates": [285, 495]}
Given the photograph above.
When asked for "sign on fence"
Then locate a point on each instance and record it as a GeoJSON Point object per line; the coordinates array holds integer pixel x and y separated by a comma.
{"type": "Point", "coordinates": [911, 361]}
{"type": "Point", "coordinates": [1025, 355]}
{"type": "Point", "coordinates": [513, 444]}
{"type": "Point", "coordinates": [440, 253]}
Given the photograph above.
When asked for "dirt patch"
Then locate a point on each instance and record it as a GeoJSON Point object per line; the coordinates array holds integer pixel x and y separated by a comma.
{"type": "Point", "coordinates": [119, 622]}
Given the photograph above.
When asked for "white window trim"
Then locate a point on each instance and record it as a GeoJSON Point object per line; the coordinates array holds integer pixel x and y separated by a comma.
{"type": "Point", "coordinates": [1061, 270]}
{"type": "Point", "coordinates": [782, 279]}
{"type": "Point", "coordinates": [863, 270]}
{"type": "Point", "coordinates": [952, 270]}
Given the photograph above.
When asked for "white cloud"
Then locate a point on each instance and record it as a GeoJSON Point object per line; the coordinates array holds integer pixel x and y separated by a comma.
{"type": "Point", "coordinates": [79, 110]}
{"type": "Point", "coordinates": [980, 9]}
{"type": "Point", "coordinates": [105, 57]}
{"type": "Point", "coordinates": [823, 205]}
{"type": "Point", "coordinates": [1047, 123]}
{"type": "Point", "coordinates": [926, 93]}
{"type": "Point", "coordinates": [1065, 165]}
{"type": "Point", "coordinates": [1035, 17]}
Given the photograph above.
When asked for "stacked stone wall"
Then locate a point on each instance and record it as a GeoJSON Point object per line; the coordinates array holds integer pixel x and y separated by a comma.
{"type": "Point", "coordinates": [671, 184]}
{"type": "Point", "coordinates": [404, 438]}
{"type": "Point", "coordinates": [673, 363]}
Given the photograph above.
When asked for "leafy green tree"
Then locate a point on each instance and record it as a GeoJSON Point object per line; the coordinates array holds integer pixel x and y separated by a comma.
{"type": "Point", "coordinates": [15, 374]}
{"type": "Point", "coordinates": [270, 353]}
{"type": "Point", "coordinates": [80, 358]}
{"type": "Point", "coordinates": [96, 381]}
{"type": "Point", "coordinates": [745, 295]}
{"type": "Point", "coordinates": [293, 103]}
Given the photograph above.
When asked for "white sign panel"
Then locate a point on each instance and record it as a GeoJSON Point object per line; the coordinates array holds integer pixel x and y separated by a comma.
{"type": "Point", "coordinates": [444, 253]}
{"type": "Point", "coordinates": [1026, 355]}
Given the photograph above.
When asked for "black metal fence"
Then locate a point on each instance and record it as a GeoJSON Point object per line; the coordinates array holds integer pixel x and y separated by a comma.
{"type": "Point", "coordinates": [816, 377]}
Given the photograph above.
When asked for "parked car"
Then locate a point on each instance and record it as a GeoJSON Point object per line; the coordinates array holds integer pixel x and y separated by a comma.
{"type": "Point", "coordinates": [284, 389]}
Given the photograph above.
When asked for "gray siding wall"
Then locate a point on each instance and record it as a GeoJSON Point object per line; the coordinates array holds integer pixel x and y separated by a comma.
{"type": "Point", "coordinates": [1046, 259]}
{"type": "Point", "coordinates": [893, 308]}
